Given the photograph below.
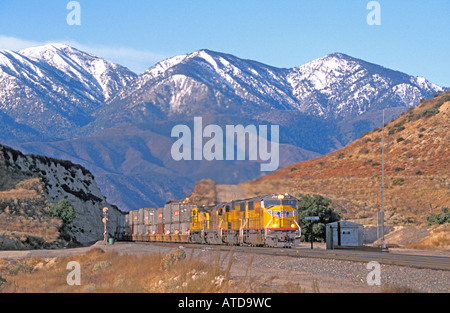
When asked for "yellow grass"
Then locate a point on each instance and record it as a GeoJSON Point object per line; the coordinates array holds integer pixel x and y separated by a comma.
{"type": "Point", "coordinates": [109, 272]}
{"type": "Point", "coordinates": [439, 238]}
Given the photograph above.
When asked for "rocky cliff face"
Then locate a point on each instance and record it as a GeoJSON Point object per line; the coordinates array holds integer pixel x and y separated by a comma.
{"type": "Point", "coordinates": [64, 180]}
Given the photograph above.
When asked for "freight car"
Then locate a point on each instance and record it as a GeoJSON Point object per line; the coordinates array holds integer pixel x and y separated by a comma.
{"type": "Point", "coordinates": [269, 220]}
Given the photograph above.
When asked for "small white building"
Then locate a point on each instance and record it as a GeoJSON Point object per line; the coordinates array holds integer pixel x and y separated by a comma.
{"type": "Point", "coordinates": [344, 233]}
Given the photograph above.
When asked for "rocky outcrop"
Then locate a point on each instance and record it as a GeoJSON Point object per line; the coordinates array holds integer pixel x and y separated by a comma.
{"type": "Point", "coordinates": [64, 180]}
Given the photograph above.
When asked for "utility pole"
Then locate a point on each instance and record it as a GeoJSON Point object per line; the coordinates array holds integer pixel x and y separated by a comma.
{"type": "Point", "coordinates": [383, 244]}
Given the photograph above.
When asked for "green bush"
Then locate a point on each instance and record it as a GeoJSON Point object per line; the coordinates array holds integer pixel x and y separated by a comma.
{"type": "Point", "coordinates": [2, 281]}
{"type": "Point", "coordinates": [320, 206]}
{"type": "Point", "coordinates": [64, 211]}
{"type": "Point", "coordinates": [441, 102]}
{"type": "Point", "coordinates": [441, 218]}
{"type": "Point", "coordinates": [428, 112]}
{"type": "Point", "coordinates": [398, 181]}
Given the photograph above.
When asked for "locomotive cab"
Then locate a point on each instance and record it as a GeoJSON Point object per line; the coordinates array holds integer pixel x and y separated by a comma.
{"type": "Point", "coordinates": [280, 220]}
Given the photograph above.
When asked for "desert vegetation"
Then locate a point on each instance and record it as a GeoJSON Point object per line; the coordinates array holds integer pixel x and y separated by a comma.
{"type": "Point", "coordinates": [105, 272]}
{"type": "Point", "coordinates": [25, 220]}
{"type": "Point", "coordinates": [416, 170]}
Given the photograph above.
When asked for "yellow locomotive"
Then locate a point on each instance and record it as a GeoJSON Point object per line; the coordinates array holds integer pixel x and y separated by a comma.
{"type": "Point", "coordinates": [269, 220]}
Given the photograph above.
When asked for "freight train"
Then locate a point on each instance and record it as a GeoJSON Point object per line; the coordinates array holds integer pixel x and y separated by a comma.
{"type": "Point", "coordinates": [269, 221]}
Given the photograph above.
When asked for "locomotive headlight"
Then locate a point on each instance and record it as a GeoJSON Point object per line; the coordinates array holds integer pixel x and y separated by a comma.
{"type": "Point", "coordinates": [275, 225]}
{"type": "Point", "coordinates": [280, 197]}
{"type": "Point", "coordinates": [292, 225]}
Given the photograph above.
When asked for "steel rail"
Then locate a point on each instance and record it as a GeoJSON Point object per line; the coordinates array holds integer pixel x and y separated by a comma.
{"type": "Point", "coordinates": [399, 259]}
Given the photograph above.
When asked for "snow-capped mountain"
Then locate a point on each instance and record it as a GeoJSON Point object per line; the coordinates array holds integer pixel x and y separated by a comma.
{"type": "Point", "coordinates": [207, 80]}
{"type": "Point", "coordinates": [102, 77]}
{"type": "Point", "coordinates": [340, 86]}
{"type": "Point", "coordinates": [122, 122]}
{"type": "Point", "coordinates": [54, 88]}
{"type": "Point", "coordinates": [335, 86]}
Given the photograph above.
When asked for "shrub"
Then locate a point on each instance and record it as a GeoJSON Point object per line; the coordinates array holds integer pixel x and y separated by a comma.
{"type": "Point", "coordinates": [441, 102]}
{"type": "Point", "coordinates": [364, 151]}
{"type": "Point", "coordinates": [397, 128]}
{"type": "Point", "coordinates": [24, 268]}
{"type": "Point", "coordinates": [400, 139]}
{"type": "Point", "coordinates": [64, 211]}
{"type": "Point", "coordinates": [398, 169]}
{"type": "Point", "coordinates": [419, 172]}
{"type": "Point", "coordinates": [172, 258]}
{"type": "Point", "coordinates": [428, 112]}
{"type": "Point", "coordinates": [441, 218]}
{"type": "Point", "coordinates": [2, 281]}
{"type": "Point", "coordinates": [400, 124]}
{"type": "Point", "coordinates": [398, 181]}
{"type": "Point", "coordinates": [320, 206]}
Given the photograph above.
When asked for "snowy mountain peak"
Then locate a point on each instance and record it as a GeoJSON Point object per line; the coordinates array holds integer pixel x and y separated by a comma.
{"type": "Point", "coordinates": [39, 50]}
{"type": "Point", "coordinates": [94, 72]}
{"type": "Point", "coordinates": [56, 85]}
{"type": "Point", "coordinates": [161, 67]}
{"type": "Point", "coordinates": [333, 86]}
{"type": "Point", "coordinates": [67, 85]}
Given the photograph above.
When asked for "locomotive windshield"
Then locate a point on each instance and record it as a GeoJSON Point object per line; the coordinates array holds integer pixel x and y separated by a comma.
{"type": "Point", "coordinates": [292, 203]}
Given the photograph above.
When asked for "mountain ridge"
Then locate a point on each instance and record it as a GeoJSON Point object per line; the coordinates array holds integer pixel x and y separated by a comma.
{"type": "Point", "coordinates": [46, 88]}
{"type": "Point", "coordinates": [137, 118]}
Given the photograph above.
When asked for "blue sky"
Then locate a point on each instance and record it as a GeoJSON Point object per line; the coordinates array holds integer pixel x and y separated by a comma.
{"type": "Point", "coordinates": [413, 36]}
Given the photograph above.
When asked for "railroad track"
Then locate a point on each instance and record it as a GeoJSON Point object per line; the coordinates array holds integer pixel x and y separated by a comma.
{"type": "Point", "coordinates": [400, 259]}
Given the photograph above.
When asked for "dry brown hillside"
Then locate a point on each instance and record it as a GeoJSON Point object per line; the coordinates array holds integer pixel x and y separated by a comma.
{"type": "Point", "coordinates": [417, 168]}
{"type": "Point", "coordinates": [24, 218]}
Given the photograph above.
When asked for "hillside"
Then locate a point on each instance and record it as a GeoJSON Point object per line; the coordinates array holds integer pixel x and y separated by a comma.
{"type": "Point", "coordinates": [417, 169]}
{"type": "Point", "coordinates": [30, 184]}
{"type": "Point", "coordinates": [68, 104]}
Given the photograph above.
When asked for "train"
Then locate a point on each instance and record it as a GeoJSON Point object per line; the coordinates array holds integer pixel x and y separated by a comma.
{"type": "Point", "coordinates": [265, 221]}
